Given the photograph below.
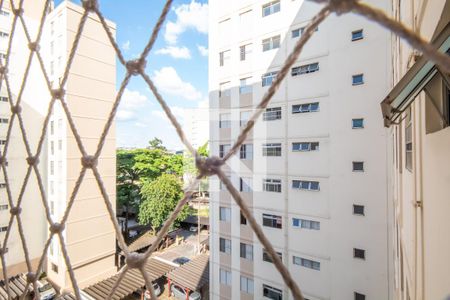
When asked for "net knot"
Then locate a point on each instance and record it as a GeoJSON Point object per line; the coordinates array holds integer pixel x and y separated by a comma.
{"type": "Point", "coordinates": [3, 70]}
{"type": "Point", "coordinates": [34, 46]}
{"type": "Point", "coordinates": [58, 93]}
{"type": "Point", "coordinates": [56, 228]}
{"type": "Point", "coordinates": [135, 260]}
{"type": "Point", "coordinates": [31, 277]}
{"type": "Point", "coordinates": [3, 252]}
{"type": "Point", "coordinates": [90, 5]}
{"type": "Point", "coordinates": [342, 6]}
{"type": "Point", "coordinates": [136, 66]}
{"type": "Point", "coordinates": [16, 109]}
{"type": "Point", "coordinates": [18, 11]}
{"type": "Point", "coordinates": [208, 166]}
{"type": "Point", "coordinates": [15, 210]}
{"type": "Point", "coordinates": [32, 160]}
{"type": "Point", "coordinates": [89, 161]}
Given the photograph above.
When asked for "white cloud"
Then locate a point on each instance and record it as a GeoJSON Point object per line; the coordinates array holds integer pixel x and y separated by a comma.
{"type": "Point", "coordinates": [175, 52]}
{"type": "Point", "coordinates": [203, 50]}
{"type": "Point", "coordinates": [189, 16]}
{"type": "Point", "coordinates": [126, 46]}
{"type": "Point", "coordinates": [130, 103]}
{"type": "Point", "coordinates": [169, 82]}
{"type": "Point", "coordinates": [178, 112]}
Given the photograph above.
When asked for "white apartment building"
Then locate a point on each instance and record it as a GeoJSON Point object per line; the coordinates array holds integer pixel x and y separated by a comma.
{"type": "Point", "coordinates": [313, 170]}
{"type": "Point", "coordinates": [417, 113]}
{"type": "Point", "coordinates": [34, 106]}
{"type": "Point", "coordinates": [89, 93]}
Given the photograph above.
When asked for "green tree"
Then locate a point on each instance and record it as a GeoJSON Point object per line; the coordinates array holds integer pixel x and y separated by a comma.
{"type": "Point", "coordinates": [159, 198]}
{"type": "Point", "coordinates": [156, 144]}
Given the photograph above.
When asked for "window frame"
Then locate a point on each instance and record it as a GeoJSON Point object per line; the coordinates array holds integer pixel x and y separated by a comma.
{"type": "Point", "coordinates": [246, 251]}
{"type": "Point", "coordinates": [359, 253]}
{"type": "Point", "coordinates": [356, 120]}
{"type": "Point", "coordinates": [276, 221]}
{"type": "Point", "coordinates": [305, 69]}
{"type": "Point", "coordinates": [306, 185]}
{"type": "Point", "coordinates": [272, 185]}
{"type": "Point", "coordinates": [278, 294]}
{"type": "Point", "coordinates": [271, 43]}
{"type": "Point", "coordinates": [356, 168]}
{"type": "Point", "coordinates": [272, 113]}
{"type": "Point", "coordinates": [224, 214]}
{"type": "Point", "coordinates": [355, 76]}
{"type": "Point", "coordinates": [271, 8]}
{"type": "Point", "coordinates": [268, 78]}
{"type": "Point", "coordinates": [306, 108]}
{"type": "Point", "coordinates": [272, 150]}
{"type": "Point", "coordinates": [246, 152]}
{"type": "Point", "coordinates": [311, 146]}
{"type": "Point", "coordinates": [355, 36]}
{"type": "Point", "coordinates": [225, 245]}
{"type": "Point", "coordinates": [358, 206]}
{"type": "Point", "coordinates": [266, 257]}
{"type": "Point", "coordinates": [306, 263]}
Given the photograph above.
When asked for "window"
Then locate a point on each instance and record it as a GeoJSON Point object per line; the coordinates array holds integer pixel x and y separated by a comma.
{"type": "Point", "coordinates": [4, 207]}
{"type": "Point", "coordinates": [272, 185]}
{"type": "Point", "coordinates": [307, 263]}
{"type": "Point", "coordinates": [273, 149]}
{"type": "Point", "coordinates": [311, 68]}
{"type": "Point", "coordinates": [245, 185]}
{"type": "Point", "coordinates": [309, 146]}
{"type": "Point", "coordinates": [272, 114]}
{"type": "Point", "coordinates": [358, 166]}
{"type": "Point", "coordinates": [245, 51]}
{"type": "Point", "coordinates": [52, 127]}
{"type": "Point", "coordinates": [225, 120]}
{"type": "Point", "coordinates": [225, 245]}
{"type": "Point", "coordinates": [306, 185]}
{"type": "Point", "coordinates": [245, 116]}
{"type": "Point", "coordinates": [4, 99]}
{"type": "Point", "coordinates": [52, 147]}
{"type": "Point", "coordinates": [52, 188]}
{"type": "Point", "coordinates": [272, 293]}
{"type": "Point", "coordinates": [52, 168]}
{"type": "Point", "coordinates": [272, 221]}
{"type": "Point", "coordinates": [357, 123]}
{"type": "Point", "coordinates": [408, 147]}
{"type": "Point", "coordinates": [4, 34]}
{"type": "Point", "coordinates": [359, 296]}
{"type": "Point", "coordinates": [3, 228]}
{"type": "Point", "coordinates": [2, 185]}
{"type": "Point", "coordinates": [358, 209]}
{"type": "Point", "coordinates": [247, 285]}
{"type": "Point", "coordinates": [243, 220]}
{"type": "Point", "coordinates": [2, 142]}
{"type": "Point", "coordinates": [246, 151]}
{"type": "Point", "coordinates": [54, 268]}
{"type": "Point", "coordinates": [224, 57]}
{"type": "Point", "coordinates": [225, 214]}
{"type": "Point", "coordinates": [225, 277]}
{"type": "Point", "coordinates": [358, 79]}
{"type": "Point", "coordinates": [270, 8]}
{"type": "Point", "coordinates": [307, 224]}
{"type": "Point", "coordinates": [268, 78]}
{"type": "Point", "coordinates": [4, 12]}
{"type": "Point", "coordinates": [223, 149]}
{"type": "Point", "coordinates": [247, 251]}
{"type": "Point", "coordinates": [357, 35]}
{"type": "Point", "coordinates": [224, 89]}
{"type": "Point", "coordinates": [245, 87]}
{"type": "Point", "coordinates": [266, 256]}
{"type": "Point", "coordinates": [4, 120]}
{"type": "Point", "coordinates": [359, 253]}
{"type": "Point", "coordinates": [305, 108]}
{"type": "Point", "coordinates": [299, 31]}
{"type": "Point", "coordinates": [271, 43]}
{"type": "Point", "coordinates": [60, 145]}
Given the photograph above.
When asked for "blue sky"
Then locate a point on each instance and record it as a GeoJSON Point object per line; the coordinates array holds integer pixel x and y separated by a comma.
{"type": "Point", "coordinates": [178, 64]}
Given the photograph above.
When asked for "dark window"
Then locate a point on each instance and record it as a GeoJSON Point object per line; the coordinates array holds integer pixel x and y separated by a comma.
{"type": "Point", "coordinates": [357, 123]}
{"type": "Point", "coordinates": [246, 151]}
{"type": "Point", "coordinates": [358, 79]}
{"type": "Point", "coordinates": [54, 268]}
{"type": "Point", "coordinates": [359, 253]}
{"type": "Point", "coordinates": [358, 209]}
{"type": "Point", "coordinates": [305, 108]}
{"type": "Point", "coordinates": [3, 228]}
{"type": "Point", "coordinates": [272, 221]}
{"type": "Point", "coordinates": [221, 59]}
{"type": "Point", "coordinates": [225, 245]}
{"type": "Point", "coordinates": [314, 146]}
{"type": "Point", "coordinates": [272, 293]}
{"type": "Point", "coordinates": [408, 148]}
{"type": "Point", "coordinates": [271, 149]}
{"type": "Point", "coordinates": [243, 220]}
{"type": "Point", "coordinates": [306, 185]}
{"type": "Point", "coordinates": [246, 251]}
{"type": "Point", "coordinates": [311, 68]}
{"type": "Point", "coordinates": [272, 114]}
{"type": "Point", "coordinates": [359, 296]}
{"type": "Point", "coordinates": [266, 256]}
{"type": "Point", "coordinates": [357, 35]}
{"type": "Point", "coordinates": [307, 263]}
{"type": "Point", "coordinates": [358, 166]}
{"type": "Point", "coordinates": [242, 52]}
{"type": "Point", "coordinates": [223, 149]}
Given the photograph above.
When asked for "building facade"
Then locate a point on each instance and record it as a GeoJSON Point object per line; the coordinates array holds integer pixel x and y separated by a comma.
{"type": "Point", "coordinates": [313, 170]}
{"type": "Point", "coordinates": [89, 93]}
{"type": "Point", "coordinates": [34, 104]}
{"type": "Point", "coordinates": [417, 114]}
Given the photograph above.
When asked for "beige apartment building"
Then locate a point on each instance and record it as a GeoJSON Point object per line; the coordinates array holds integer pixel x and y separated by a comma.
{"type": "Point", "coordinates": [313, 170]}
{"type": "Point", "coordinates": [417, 114]}
{"type": "Point", "coordinates": [34, 104]}
{"type": "Point", "coordinates": [90, 92]}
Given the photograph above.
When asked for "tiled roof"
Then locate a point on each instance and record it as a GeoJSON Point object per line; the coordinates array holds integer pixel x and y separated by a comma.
{"type": "Point", "coordinates": [192, 275]}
